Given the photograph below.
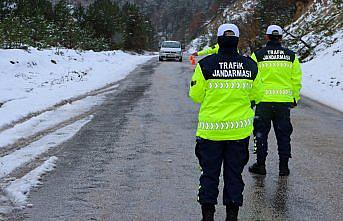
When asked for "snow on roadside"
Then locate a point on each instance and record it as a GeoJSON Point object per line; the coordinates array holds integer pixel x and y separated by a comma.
{"type": "Point", "coordinates": [323, 75]}
{"type": "Point", "coordinates": [27, 154]}
{"type": "Point", "coordinates": [35, 80]}
{"type": "Point", "coordinates": [49, 119]}
{"type": "Point", "coordinates": [18, 190]}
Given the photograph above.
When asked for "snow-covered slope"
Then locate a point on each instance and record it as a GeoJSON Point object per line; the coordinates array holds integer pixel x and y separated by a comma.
{"type": "Point", "coordinates": [316, 29]}
{"type": "Point", "coordinates": [35, 80]}
{"type": "Point", "coordinates": [239, 12]}
{"type": "Point", "coordinates": [31, 124]}
{"type": "Point", "coordinates": [317, 37]}
{"type": "Point", "coordinates": [323, 75]}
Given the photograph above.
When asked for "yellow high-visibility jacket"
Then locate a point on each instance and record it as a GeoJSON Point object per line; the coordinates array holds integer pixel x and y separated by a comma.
{"type": "Point", "coordinates": [225, 84]}
{"type": "Point", "coordinates": [280, 72]}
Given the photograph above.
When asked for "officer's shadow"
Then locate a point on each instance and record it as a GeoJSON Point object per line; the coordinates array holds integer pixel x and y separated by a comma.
{"type": "Point", "coordinates": [273, 198]}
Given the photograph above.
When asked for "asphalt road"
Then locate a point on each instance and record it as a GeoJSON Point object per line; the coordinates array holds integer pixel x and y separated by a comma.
{"type": "Point", "coordinates": [135, 161]}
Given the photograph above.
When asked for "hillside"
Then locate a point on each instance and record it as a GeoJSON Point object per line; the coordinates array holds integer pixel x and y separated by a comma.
{"type": "Point", "coordinates": [313, 29]}
{"type": "Point", "coordinates": [252, 17]}
{"type": "Point", "coordinates": [317, 37]}
{"type": "Point", "coordinates": [317, 29]}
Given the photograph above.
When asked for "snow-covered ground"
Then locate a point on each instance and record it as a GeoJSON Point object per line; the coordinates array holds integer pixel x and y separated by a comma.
{"type": "Point", "coordinates": [321, 28]}
{"type": "Point", "coordinates": [316, 28]}
{"type": "Point", "coordinates": [33, 81]}
{"type": "Point", "coordinates": [48, 120]}
{"type": "Point", "coordinates": [323, 75]}
{"type": "Point", "coordinates": [34, 86]}
{"type": "Point", "coordinates": [19, 189]}
{"type": "Point", "coordinates": [27, 154]}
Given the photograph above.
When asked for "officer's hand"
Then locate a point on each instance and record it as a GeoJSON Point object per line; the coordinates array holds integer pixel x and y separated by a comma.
{"type": "Point", "coordinates": [294, 104]}
{"type": "Point", "coordinates": [195, 54]}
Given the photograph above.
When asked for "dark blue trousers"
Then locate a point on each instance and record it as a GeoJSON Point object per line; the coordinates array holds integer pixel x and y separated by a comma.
{"type": "Point", "coordinates": [279, 114]}
{"type": "Point", "coordinates": [233, 155]}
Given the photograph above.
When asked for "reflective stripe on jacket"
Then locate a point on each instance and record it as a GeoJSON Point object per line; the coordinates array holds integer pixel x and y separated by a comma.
{"type": "Point", "coordinates": [225, 85]}
{"type": "Point", "coordinates": [280, 72]}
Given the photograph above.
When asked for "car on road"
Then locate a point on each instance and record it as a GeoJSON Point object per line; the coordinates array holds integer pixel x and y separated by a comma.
{"type": "Point", "coordinates": [170, 50]}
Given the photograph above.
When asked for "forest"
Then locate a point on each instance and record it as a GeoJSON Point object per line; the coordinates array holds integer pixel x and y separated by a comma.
{"type": "Point", "coordinates": [103, 25]}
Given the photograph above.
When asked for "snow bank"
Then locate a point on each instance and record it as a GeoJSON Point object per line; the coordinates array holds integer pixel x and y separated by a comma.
{"type": "Point", "coordinates": [49, 120]}
{"type": "Point", "coordinates": [323, 75]}
{"type": "Point", "coordinates": [19, 189]}
{"type": "Point", "coordinates": [27, 154]}
{"type": "Point", "coordinates": [35, 80]}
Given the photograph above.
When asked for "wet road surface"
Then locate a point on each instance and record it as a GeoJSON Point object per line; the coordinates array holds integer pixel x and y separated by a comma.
{"type": "Point", "coordinates": [135, 161]}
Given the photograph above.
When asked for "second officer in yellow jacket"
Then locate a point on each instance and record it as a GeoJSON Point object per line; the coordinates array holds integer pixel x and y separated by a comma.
{"type": "Point", "coordinates": [281, 74]}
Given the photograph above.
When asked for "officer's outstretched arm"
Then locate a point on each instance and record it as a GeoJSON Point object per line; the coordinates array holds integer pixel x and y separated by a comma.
{"type": "Point", "coordinates": [198, 86]}
{"type": "Point", "coordinates": [256, 93]}
{"type": "Point", "coordinates": [209, 51]}
{"type": "Point", "coordinates": [296, 79]}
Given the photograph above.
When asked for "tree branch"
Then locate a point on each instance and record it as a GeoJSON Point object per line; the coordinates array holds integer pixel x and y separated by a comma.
{"type": "Point", "coordinates": [299, 39]}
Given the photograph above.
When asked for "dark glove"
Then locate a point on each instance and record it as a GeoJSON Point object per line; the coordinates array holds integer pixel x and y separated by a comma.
{"type": "Point", "coordinates": [294, 104]}
{"type": "Point", "coordinates": [253, 104]}
{"type": "Point", "coordinates": [195, 54]}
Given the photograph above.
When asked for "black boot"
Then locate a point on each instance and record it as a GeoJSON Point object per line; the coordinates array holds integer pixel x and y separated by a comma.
{"type": "Point", "coordinates": [208, 211]}
{"type": "Point", "coordinates": [231, 212]}
{"type": "Point", "coordinates": [258, 169]}
{"type": "Point", "coordinates": [283, 167]}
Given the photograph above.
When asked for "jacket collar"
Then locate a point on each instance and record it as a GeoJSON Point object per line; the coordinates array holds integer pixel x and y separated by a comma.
{"type": "Point", "coordinates": [273, 44]}
{"type": "Point", "coordinates": [228, 51]}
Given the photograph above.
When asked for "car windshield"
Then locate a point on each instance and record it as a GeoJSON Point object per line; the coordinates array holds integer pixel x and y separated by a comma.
{"type": "Point", "coordinates": [171, 45]}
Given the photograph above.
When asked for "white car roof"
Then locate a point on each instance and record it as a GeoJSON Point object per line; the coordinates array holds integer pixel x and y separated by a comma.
{"type": "Point", "coordinates": [172, 41]}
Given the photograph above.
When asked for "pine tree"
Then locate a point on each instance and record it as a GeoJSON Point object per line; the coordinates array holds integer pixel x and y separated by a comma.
{"type": "Point", "coordinates": [33, 8]}
{"type": "Point", "coordinates": [68, 31]}
{"type": "Point", "coordinates": [37, 23]}
{"type": "Point", "coordinates": [103, 16]}
{"type": "Point", "coordinates": [14, 33]}
{"type": "Point", "coordinates": [134, 33]}
{"type": "Point", "coordinates": [149, 33]}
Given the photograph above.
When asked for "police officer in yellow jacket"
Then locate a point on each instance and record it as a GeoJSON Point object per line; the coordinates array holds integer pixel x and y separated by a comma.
{"type": "Point", "coordinates": [281, 74]}
{"type": "Point", "coordinates": [224, 84]}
